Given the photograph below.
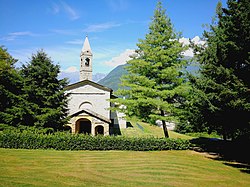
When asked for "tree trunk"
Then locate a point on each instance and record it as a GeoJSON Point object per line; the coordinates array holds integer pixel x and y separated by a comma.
{"type": "Point", "coordinates": [164, 126]}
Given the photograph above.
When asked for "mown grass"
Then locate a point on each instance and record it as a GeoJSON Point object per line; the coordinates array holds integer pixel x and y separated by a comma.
{"type": "Point", "coordinates": [115, 168]}
{"type": "Point", "coordinates": [141, 129]}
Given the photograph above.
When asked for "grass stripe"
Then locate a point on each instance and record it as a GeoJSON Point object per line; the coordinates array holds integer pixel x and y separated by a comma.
{"type": "Point", "coordinates": [115, 168]}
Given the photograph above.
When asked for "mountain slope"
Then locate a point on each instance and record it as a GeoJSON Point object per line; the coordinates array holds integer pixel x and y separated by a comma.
{"type": "Point", "coordinates": [112, 80]}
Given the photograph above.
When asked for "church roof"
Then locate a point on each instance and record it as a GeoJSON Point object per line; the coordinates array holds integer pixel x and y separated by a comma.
{"type": "Point", "coordinates": [86, 46]}
{"type": "Point", "coordinates": [87, 82]}
{"type": "Point", "coordinates": [93, 114]}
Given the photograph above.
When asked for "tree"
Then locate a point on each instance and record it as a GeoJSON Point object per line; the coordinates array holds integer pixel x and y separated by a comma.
{"type": "Point", "coordinates": [11, 102]}
{"type": "Point", "coordinates": [155, 85]}
{"type": "Point", "coordinates": [221, 99]}
{"type": "Point", "coordinates": [44, 93]}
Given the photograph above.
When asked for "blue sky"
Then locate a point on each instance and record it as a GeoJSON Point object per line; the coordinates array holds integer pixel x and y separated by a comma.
{"type": "Point", "coordinates": [113, 27]}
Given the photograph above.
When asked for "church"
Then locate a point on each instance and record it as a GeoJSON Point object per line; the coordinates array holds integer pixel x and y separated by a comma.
{"type": "Point", "coordinates": [89, 104]}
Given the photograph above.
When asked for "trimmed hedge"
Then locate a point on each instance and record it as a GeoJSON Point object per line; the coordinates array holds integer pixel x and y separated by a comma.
{"type": "Point", "coordinates": [67, 141]}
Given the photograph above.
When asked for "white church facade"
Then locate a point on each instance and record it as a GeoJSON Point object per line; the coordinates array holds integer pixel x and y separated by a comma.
{"type": "Point", "coordinates": [89, 104]}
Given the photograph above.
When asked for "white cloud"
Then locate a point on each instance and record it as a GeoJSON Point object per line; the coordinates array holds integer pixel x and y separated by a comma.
{"type": "Point", "coordinates": [100, 27]}
{"type": "Point", "coordinates": [63, 7]}
{"type": "Point", "coordinates": [121, 58]}
{"type": "Point", "coordinates": [64, 31]}
{"type": "Point", "coordinates": [72, 13]}
{"type": "Point", "coordinates": [198, 41]}
{"type": "Point", "coordinates": [186, 41]}
{"type": "Point", "coordinates": [188, 53]}
{"type": "Point", "coordinates": [71, 69]}
{"type": "Point", "coordinates": [75, 42]}
{"type": "Point", "coordinates": [15, 35]}
{"type": "Point", "coordinates": [65, 56]}
{"type": "Point", "coordinates": [117, 5]}
{"type": "Point", "coordinates": [71, 73]}
{"type": "Point", "coordinates": [55, 8]}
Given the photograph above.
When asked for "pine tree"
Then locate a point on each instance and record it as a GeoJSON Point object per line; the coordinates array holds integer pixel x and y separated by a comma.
{"type": "Point", "coordinates": [44, 93]}
{"type": "Point", "coordinates": [155, 85]}
{"type": "Point", "coordinates": [11, 101]}
{"type": "Point", "coordinates": [221, 97]}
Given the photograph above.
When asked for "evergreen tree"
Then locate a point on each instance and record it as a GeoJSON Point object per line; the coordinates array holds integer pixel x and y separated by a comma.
{"type": "Point", "coordinates": [221, 99]}
{"type": "Point", "coordinates": [154, 87]}
{"type": "Point", "coordinates": [44, 93]}
{"type": "Point", "coordinates": [11, 102]}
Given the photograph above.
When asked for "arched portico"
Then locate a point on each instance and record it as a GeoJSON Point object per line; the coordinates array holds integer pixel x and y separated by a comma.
{"type": "Point", "coordinates": [99, 130]}
{"type": "Point", "coordinates": [84, 126]}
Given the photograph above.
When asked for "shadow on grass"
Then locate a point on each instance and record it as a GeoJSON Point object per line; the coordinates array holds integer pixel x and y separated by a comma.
{"type": "Point", "coordinates": [232, 153]}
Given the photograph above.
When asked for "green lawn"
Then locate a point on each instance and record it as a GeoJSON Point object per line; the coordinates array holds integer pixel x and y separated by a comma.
{"type": "Point", "coordinates": [141, 129]}
{"type": "Point", "coordinates": [115, 168]}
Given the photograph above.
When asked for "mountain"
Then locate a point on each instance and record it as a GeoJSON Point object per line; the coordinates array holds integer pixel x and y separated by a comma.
{"type": "Point", "coordinates": [112, 80]}
{"type": "Point", "coordinates": [98, 76]}
{"type": "Point", "coordinates": [73, 77]}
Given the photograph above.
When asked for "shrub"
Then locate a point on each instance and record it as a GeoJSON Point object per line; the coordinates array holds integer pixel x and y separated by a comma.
{"type": "Point", "coordinates": [67, 141]}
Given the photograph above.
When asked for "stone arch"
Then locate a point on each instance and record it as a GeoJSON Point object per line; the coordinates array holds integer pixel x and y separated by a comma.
{"type": "Point", "coordinates": [86, 105]}
{"type": "Point", "coordinates": [99, 130]}
{"type": "Point", "coordinates": [84, 126]}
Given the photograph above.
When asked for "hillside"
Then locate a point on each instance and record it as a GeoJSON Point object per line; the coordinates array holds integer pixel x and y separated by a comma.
{"type": "Point", "coordinates": [112, 80]}
{"type": "Point", "coordinates": [136, 128]}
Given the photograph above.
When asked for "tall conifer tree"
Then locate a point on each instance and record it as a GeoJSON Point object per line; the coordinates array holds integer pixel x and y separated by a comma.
{"type": "Point", "coordinates": [11, 101]}
{"type": "Point", "coordinates": [47, 102]}
{"type": "Point", "coordinates": [154, 86]}
{"type": "Point", "coordinates": [221, 98]}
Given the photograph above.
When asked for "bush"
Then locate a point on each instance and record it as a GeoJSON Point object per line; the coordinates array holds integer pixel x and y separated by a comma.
{"type": "Point", "coordinates": [67, 141]}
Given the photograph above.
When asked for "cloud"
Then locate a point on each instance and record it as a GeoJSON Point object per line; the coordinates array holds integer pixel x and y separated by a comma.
{"type": "Point", "coordinates": [100, 27]}
{"type": "Point", "coordinates": [117, 5]}
{"type": "Point", "coordinates": [76, 42]}
{"type": "Point", "coordinates": [198, 41]}
{"type": "Point", "coordinates": [186, 41]}
{"type": "Point", "coordinates": [15, 35]}
{"type": "Point", "coordinates": [55, 8]}
{"type": "Point", "coordinates": [121, 58]}
{"type": "Point", "coordinates": [64, 31]}
{"type": "Point", "coordinates": [73, 75]}
{"type": "Point", "coordinates": [70, 11]}
{"type": "Point", "coordinates": [65, 8]}
{"type": "Point", "coordinates": [71, 69]}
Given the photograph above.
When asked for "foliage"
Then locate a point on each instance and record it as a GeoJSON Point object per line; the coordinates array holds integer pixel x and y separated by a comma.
{"type": "Point", "coordinates": [220, 98]}
{"type": "Point", "coordinates": [155, 85]}
{"type": "Point", "coordinates": [44, 93]}
{"type": "Point", "coordinates": [11, 101]}
{"type": "Point", "coordinates": [65, 141]}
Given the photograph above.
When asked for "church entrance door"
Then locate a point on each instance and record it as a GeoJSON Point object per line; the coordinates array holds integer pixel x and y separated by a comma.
{"type": "Point", "coordinates": [99, 130]}
{"type": "Point", "coordinates": [84, 126]}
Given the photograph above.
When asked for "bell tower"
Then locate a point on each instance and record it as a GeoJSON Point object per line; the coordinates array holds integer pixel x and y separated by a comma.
{"type": "Point", "coordinates": [86, 57]}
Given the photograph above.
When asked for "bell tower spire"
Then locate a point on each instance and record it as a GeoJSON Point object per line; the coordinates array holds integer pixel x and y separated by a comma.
{"type": "Point", "coordinates": [86, 57]}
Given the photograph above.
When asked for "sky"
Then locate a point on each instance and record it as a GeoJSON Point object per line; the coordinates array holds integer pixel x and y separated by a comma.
{"type": "Point", "coordinates": [113, 27]}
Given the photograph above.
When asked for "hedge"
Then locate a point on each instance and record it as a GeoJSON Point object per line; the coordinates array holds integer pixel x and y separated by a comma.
{"type": "Point", "coordinates": [67, 141]}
